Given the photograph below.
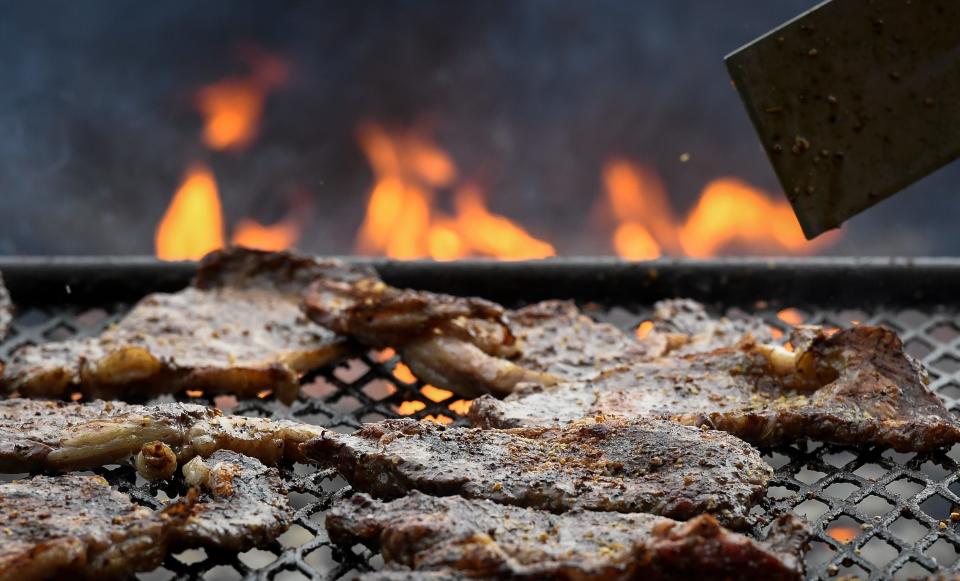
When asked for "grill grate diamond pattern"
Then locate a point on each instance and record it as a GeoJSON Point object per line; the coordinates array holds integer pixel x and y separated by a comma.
{"type": "Point", "coordinates": [875, 513]}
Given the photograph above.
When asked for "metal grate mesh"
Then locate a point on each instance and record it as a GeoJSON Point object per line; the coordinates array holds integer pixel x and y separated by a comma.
{"type": "Point", "coordinates": [875, 513]}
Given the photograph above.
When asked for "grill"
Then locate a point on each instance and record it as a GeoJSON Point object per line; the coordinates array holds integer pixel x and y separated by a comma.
{"type": "Point", "coordinates": [875, 513]}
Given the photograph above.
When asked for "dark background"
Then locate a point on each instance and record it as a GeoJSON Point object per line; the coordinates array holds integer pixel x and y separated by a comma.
{"type": "Point", "coordinates": [97, 123]}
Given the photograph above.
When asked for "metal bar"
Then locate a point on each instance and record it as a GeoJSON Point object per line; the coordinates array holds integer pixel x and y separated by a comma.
{"type": "Point", "coordinates": [739, 281]}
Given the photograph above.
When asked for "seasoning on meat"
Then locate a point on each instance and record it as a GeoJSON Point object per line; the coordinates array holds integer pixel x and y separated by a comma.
{"type": "Point", "coordinates": [482, 539]}
{"type": "Point", "coordinates": [76, 524]}
{"type": "Point", "coordinates": [618, 465]}
{"type": "Point", "coordinates": [856, 386]}
{"type": "Point", "coordinates": [238, 328]}
{"type": "Point", "coordinates": [469, 345]}
{"type": "Point", "coordinates": [47, 435]}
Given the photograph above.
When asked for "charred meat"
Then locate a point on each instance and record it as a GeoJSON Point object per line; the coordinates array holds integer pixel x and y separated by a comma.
{"type": "Point", "coordinates": [469, 345]}
{"type": "Point", "coordinates": [238, 328]}
{"type": "Point", "coordinates": [853, 387]}
{"type": "Point", "coordinates": [46, 435]}
{"type": "Point", "coordinates": [620, 465]}
{"type": "Point", "coordinates": [486, 540]}
{"type": "Point", "coordinates": [53, 526]}
{"type": "Point", "coordinates": [246, 505]}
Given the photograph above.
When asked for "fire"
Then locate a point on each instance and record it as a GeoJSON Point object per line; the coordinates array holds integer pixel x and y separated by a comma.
{"type": "Point", "coordinates": [843, 534]}
{"type": "Point", "coordinates": [401, 221]}
{"type": "Point", "coordinates": [730, 211]}
{"type": "Point", "coordinates": [729, 214]}
{"type": "Point", "coordinates": [193, 223]}
{"type": "Point", "coordinates": [232, 107]}
{"type": "Point", "coordinates": [252, 234]}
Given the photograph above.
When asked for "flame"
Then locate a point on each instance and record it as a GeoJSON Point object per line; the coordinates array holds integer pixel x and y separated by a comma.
{"type": "Point", "coordinates": [731, 211]}
{"type": "Point", "coordinates": [252, 234]}
{"type": "Point", "coordinates": [232, 107]}
{"type": "Point", "coordinates": [729, 214]}
{"type": "Point", "coordinates": [401, 221]}
{"type": "Point", "coordinates": [193, 223]}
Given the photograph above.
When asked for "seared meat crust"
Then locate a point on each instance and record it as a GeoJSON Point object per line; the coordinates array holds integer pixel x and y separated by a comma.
{"type": "Point", "coordinates": [45, 435]}
{"type": "Point", "coordinates": [238, 328]}
{"type": "Point", "coordinates": [469, 345]}
{"type": "Point", "coordinates": [607, 465]}
{"type": "Point", "coordinates": [54, 526]}
{"type": "Point", "coordinates": [483, 539]}
{"type": "Point", "coordinates": [853, 387]}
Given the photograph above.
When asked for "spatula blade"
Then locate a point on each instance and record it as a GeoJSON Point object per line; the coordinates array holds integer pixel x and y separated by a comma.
{"type": "Point", "coordinates": [854, 101]}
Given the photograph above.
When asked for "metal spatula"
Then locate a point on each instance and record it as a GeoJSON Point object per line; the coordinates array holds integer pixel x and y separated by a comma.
{"type": "Point", "coordinates": [854, 101]}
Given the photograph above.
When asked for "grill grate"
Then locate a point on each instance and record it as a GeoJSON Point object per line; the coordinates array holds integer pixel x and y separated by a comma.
{"type": "Point", "coordinates": [875, 513]}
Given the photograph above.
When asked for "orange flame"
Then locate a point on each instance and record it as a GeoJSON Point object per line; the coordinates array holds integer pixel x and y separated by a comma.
{"type": "Point", "coordinates": [252, 234]}
{"type": "Point", "coordinates": [729, 214]}
{"type": "Point", "coordinates": [401, 223]}
{"type": "Point", "coordinates": [193, 223]}
{"type": "Point", "coordinates": [730, 211]}
{"type": "Point", "coordinates": [232, 107]}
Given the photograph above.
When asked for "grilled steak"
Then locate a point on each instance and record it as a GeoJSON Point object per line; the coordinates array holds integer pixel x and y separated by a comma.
{"type": "Point", "coordinates": [607, 465]}
{"type": "Point", "coordinates": [853, 387]}
{"type": "Point", "coordinates": [6, 312]}
{"type": "Point", "coordinates": [247, 504]}
{"type": "Point", "coordinates": [469, 345]}
{"type": "Point", "coordinates": [238, 328]}
{"type": "Point", "coordinates": [54, 526]}
{"type": "Point", "coordinates": [682, 327]}
{"type": "Point", "coordinates": [482, 539]}
{"type": "Point", "coordinates": [47, 435]}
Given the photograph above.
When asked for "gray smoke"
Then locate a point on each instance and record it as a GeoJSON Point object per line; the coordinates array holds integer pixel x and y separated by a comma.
{"type": "Point", "coordinates": [530, 97]}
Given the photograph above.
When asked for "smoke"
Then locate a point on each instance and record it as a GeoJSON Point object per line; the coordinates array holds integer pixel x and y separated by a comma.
{"type": "Point", "coordinates": [530, 98]}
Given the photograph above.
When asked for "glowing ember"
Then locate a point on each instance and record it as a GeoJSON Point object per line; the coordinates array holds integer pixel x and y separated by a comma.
{"type": "Point", "coordinates": [410, 407]}
{"type": "Point", "coordinates": [461, 406]}
{"type": "Point", "coordinates": [383, 355]}
{"type": "Point", "coordinates": [643, 329]}
{"type": "Point", "coordinates": [76, 396]}
{"type": "Point", "coordinates": [194, 393]}
{"type": "Point", "coordinates": [441, 419]}
{"type": "Point", "coordinates": [403, 373]}
{"type": "Point", "coordinates": [193, 223]}
{"type": "Point", "coordinates": [843, 534]}
{"type": "Point", "coordinates": [401, 222]}
{"type": "Point", "coordinates": [435, 393]}
{"type": "Point", "coordinates": [790, 316]}
{"type": "Point", "coordinates": [232, 107]}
